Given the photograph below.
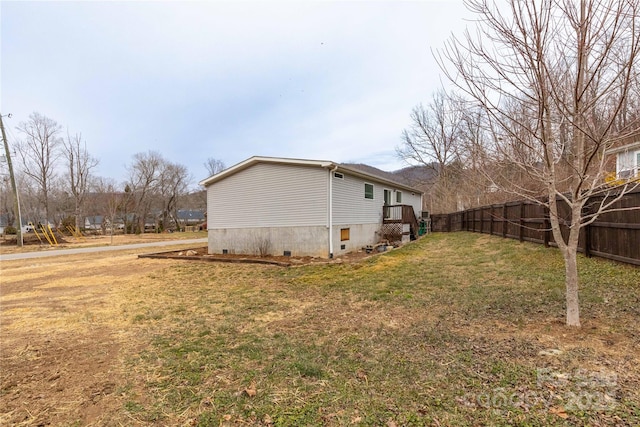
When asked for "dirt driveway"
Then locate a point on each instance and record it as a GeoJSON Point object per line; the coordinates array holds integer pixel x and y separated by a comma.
{"type": "Point", "coordinates": [61, 332]}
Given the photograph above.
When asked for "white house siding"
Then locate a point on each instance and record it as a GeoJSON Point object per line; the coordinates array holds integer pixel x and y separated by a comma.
{"type": "Point", "coordinates": [362, 216]}
{"type": "Point", "coordinates": [413, 199]}
{"type": "Point", "coordinates": [349, 204]}
{"type": "Point", "coordinates": [269, 195]}
{"type": "Point", "coordinates": [351, 207]}
{"type": "Point", "coordinates": [277, 207]}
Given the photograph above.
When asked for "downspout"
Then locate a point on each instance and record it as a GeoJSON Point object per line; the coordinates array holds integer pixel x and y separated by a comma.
{"type": "Point", "coordinates": [331, 171]}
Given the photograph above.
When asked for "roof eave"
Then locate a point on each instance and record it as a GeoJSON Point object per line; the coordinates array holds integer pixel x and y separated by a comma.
{"type": "Point", "coordinates": [302, 162]}
{"type": "Point", "coordinates": [624, 148]}
{"type": "Point", "coordinates": [262, 159]}
{"type": "Point", "coordinates": [376, 178]}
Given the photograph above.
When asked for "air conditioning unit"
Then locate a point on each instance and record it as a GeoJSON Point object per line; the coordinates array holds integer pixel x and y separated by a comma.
{"type": "Point", "coordinates": [625, 174]}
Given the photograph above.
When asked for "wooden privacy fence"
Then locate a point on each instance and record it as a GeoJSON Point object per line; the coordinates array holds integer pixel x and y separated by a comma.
{"type": "Point", "coordinates": [614, 235]}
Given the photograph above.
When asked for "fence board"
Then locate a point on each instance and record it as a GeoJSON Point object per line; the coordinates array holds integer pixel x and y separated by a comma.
{"type": "Point", "coordinates": [615, 235]}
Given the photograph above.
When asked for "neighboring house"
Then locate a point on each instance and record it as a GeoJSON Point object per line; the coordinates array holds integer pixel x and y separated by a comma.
{"type": "Point", "coordinates": [190, 217]}
{"type": "Point", "coordinates": [95, 222]}
{"type": "Point", "coordinates": [281, 206]}
{"type": "Point", "coordinates": [4, 222]}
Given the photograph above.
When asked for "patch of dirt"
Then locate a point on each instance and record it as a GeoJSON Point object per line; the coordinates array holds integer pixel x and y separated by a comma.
{"type": "Point", "coordinates": [200, 254]}
{"type": "Point", "coordinates": [56, 379]}
{"type": "Point", "coordinates": [61, 339]}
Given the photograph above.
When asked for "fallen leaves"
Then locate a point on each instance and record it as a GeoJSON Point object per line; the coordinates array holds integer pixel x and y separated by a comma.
{"type": "Point", "coordinates": [251, 390]}
{"type": "Point", "coordinates": [559, 411]}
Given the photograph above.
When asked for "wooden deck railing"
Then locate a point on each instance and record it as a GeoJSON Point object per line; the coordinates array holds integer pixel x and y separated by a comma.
{"type": "Point", "coordinates": [402, 214]}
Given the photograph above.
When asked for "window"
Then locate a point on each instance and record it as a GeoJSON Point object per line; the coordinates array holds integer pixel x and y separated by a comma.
{"type": "Point", "coordinates": [398, 196]}
{"type": "Point", "coordinates": [628, 164]}
{"type": "Point", "coordinates": [368, 191]}
{"type": "Point", "coordinates": [344, 234]}
{"type": "Point", "coordinates": [338, 175]}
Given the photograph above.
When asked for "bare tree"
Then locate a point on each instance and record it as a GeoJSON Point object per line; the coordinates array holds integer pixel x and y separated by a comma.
{"type": "Point", "coordinates": [433, 141]}
{"type": "Point", "coordinates": [110, 201]}
{"type": "Point", "coordinates": [39, 151]}
{"type": "Point", "coordinates": [143, 180]}
{"type": "Point", "coordinates": [554, 78]}
{"type": "Point", "coordinates": [79, 166]}
{"type": "Point", "coordinates": [214, 166]}
{"type": "Point", "coordinates": [173, 183]}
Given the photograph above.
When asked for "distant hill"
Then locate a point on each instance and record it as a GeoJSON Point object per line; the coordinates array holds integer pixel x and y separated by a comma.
{"type": "Point", "coordinates": [413, 176]}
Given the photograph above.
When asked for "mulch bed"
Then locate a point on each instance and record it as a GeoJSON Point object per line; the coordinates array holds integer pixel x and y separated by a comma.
{"type": "Point", "coordinates": [200, 254]}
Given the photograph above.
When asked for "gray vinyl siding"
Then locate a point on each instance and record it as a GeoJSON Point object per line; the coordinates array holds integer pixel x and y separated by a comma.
{"type": "Point", "coordinates": [269, 195]}
{"type": "Point", "coordinates": [413, 199]}
{"type": "Point", "coordinates": [351, 207]}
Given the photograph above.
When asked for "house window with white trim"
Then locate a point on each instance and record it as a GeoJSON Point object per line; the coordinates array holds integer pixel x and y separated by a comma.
{"type": "Point", "coordinates": [368, 191]}
{"type": "Point", "coordinates": [627, 164]}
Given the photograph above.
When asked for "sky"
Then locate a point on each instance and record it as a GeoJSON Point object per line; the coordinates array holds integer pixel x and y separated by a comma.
{"type": "Point", "coordinates": [326, 80]}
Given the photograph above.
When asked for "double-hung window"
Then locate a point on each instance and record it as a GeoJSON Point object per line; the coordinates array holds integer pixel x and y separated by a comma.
{"type": "Point", "coordinates": [368, 191]}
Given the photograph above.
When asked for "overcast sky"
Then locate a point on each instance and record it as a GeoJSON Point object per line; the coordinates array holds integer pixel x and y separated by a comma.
{"type": "Point", "coordinates": [228, 80]}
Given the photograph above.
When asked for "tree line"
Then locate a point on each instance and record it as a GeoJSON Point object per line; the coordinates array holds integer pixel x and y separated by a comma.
{"type": "Point", "coordinates": [57, 183]}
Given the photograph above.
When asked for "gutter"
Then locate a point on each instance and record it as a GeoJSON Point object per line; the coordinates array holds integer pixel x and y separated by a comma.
{"type": "Point", "coordinates": [331, 171]}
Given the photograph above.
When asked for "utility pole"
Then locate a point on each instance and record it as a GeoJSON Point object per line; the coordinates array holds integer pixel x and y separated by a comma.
{"type": "Point", "coordinates": [16, 200]}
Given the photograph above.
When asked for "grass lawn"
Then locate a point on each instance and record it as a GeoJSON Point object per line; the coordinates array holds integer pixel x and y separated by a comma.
{"type": "Point", "coordinates": [452, 330]}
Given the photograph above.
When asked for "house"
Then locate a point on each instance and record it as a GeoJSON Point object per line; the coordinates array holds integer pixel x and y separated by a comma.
{"type": "Point", "coordinates": [95, 222]}
{"type": "Point", "coordinates": [190, 217]}
{"type": "Point", "coordinates": [4, 222]}
{"type": "Point", "coordinates": [283, 206]}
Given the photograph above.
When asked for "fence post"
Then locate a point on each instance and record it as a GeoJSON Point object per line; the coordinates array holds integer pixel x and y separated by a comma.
{"type": "Point", "coordinates": [472, 220]}
{"type": "Point", "coordinates": [547, 226]}
{"type": "Point", "coordinates": [482, 219]}
{"type": "Point", "coordinates": [521, 233]}
{"type": "Point", "coordinates": [587, 234]}
{"type": "Point", "coordinates": [504, 220]}
{"type": "Point", "coordinates": [587, 241]}
{"type": "Point", "coordinates": [491, 220]}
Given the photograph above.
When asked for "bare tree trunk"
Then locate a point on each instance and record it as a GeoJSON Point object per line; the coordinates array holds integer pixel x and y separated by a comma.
{"type": "Point", "coordinates": [571, 281]}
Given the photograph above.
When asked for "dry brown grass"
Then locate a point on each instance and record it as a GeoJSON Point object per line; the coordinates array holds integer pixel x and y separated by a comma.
{"type": "Point", "coordinates": [62, 332]}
